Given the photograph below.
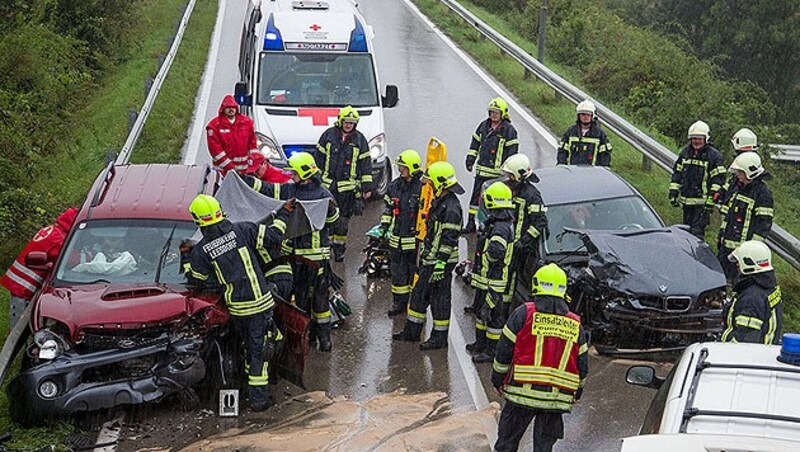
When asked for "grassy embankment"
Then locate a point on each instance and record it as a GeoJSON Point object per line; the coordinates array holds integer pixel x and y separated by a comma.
{"type": "Point", "coordinates": [103, 126]}
{"type": "Point", "coordinates": [557, 113]}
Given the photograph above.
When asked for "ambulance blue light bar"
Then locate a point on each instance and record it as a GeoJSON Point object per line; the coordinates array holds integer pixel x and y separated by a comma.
{"type": "Point", "coordinates": [358, 39]}
{"type": "Point", "coordinates": [272, 38]}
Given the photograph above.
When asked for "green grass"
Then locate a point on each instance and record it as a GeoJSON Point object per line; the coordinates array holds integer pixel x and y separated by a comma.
{"type": "Point", "coordinates": [558, 113]}
{"type": "Point", "coordinates": [103, 127]}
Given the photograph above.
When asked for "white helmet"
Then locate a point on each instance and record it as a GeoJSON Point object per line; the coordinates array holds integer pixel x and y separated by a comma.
{"type": "Point", "coordinates": [700, 130]}
{"type": "Point", "coordinates": [749, 163]}
{"type": "Point", "coordinates": [744, 140]}
{"type": "Point", "coordinates": [518, 166]}
{"type": "Point", "coordinates": [752, 257]}
{"type": "Point", "coordinates": [586, 107]}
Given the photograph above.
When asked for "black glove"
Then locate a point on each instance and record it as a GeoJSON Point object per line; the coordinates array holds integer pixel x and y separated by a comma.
{"type": "Point", "coordinates": [358, 207]}
{"type": "Point", "coordinates": [186, 245]}
{"type": "Point", "coordinates": [673, 198]}
{"type": "Point", "coordinates": [470, 162]}
{"type": "Point", "coordinates": [497, 380]}
{"type": "Point", "coordinates": [578, 394]}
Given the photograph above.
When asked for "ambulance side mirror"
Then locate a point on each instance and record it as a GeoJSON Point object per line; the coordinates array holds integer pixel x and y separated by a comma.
{"type": "Point", "coordinates": [37, 260]}
{"type": "Point", "coordinates": [391, 98]}
{"type": "Point", "coordinates": [241, 95]}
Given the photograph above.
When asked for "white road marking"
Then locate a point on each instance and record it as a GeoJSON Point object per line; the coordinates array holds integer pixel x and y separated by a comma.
{"type": "Point", "coordinates": [543, 132]}
{"type": "Point", "coordinates": [197, 132]}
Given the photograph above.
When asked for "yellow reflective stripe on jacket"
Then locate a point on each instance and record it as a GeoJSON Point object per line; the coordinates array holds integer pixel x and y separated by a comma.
{"type": "Point", "coordinates": [500, 367]}
{"type": "Point", "coordinates": [551, 399]}
{"type": "Point", "coordinates": [510, 335]}
{"type": "Point", "coordinates": [749, 322]}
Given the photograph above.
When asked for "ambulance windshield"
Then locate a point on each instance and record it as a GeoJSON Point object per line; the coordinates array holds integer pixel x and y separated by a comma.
{"type": "Point", "coordinates": [316, 79]}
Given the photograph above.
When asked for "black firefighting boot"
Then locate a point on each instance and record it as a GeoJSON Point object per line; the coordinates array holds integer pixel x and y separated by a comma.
{"type": "Point", "coordinates": [324, 337]}
{"type": "Point", "coordinates": [469, 228]}
{"type": "Point", "coordinates": [312, 334]}
{"type": "Point", "coordinates": [480, 342]}
{"type": "Point", "coordinates": [487, 355]}
{"type": "Point", "coordinates": [476, 303]}
{"type": "Point", "coordinates": [437, 340]}
{"type": "Point", "coordinates": [411, 332]}
{"type": "Point", "coordinates": [399, 306]}
{"type": "Point", "coordinates": [338, 252]}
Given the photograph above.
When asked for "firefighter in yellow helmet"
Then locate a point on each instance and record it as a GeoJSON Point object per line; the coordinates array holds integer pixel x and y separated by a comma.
{"type": "Point", "coordinates": [438, 257]}
{"type": "Point", "coordinates": [228, 256]}
{"type": "Point", "coordinates": [585, 142]}
{"type": "Point", "coordinates": [399, 223]}
{"type": "Point", "coordinates": [697, 178]}
{"type": "Point", "coordinates": [345, 166]}
{"type": "Point", "coordinates": [541, 364]}
{"type": "Point", "coordinates": [493, 142]}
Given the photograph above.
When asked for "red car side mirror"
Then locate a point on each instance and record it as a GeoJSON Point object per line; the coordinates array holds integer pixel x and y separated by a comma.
{"type": "Point", "coordinates": [38, 260]}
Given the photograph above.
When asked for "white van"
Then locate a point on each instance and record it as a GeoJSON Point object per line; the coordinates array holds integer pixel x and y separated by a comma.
{"type": "Point", "coordinates": [300, 61]}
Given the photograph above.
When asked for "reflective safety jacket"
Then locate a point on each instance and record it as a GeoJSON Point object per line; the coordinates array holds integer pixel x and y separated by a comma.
{"type": "Point", "coordinates": [444, 229]}
{"type": "Point", "coordinates": [756, 312]}
{"type": "Point", "coordinates": [230, 142]}
{"type": "Point", "coordinates": [541, 359]}
{"type": "Point", "coordinates": [747, 214]}
{"type": "Point", "coordinates": [400, 212]}
{"type": "Point", "coordinates": [697, 176]}
{"type": "Point", "coordinates": [23, 281]}
{"type": "Point", "coordinates": [230, 254]}
{"type": "Point", "coordinates": [271, 190]}
{"type": "Point", "coordinates": [315, 245]}
{"type": "Point", "coordinates": [344, 161]}
{"type": "Point", "coordinates": [496, 247]}
{"type": "Point", "coordinates": [491, 147]}
{"type": "Point", "coordinates": [591, 148]}
{"type": "Point", "coordinates": [531, 222]}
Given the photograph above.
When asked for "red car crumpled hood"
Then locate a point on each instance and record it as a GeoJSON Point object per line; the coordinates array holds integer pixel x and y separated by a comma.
{"type": "Point", "coordinates": [116, 306]}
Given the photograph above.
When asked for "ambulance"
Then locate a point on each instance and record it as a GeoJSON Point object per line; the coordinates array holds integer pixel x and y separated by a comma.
{"type": "Point", "coordinates": [300, 61]}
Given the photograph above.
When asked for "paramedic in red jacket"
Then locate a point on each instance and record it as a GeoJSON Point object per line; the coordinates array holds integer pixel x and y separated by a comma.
{"type": "Point", "coordinates": [230, 137]}
{"type": "Point", "coordinates": [23, 281]}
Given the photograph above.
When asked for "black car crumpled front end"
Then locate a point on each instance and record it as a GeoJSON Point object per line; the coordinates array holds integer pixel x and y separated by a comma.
{"type": "Point", "coordinates": [648, 290]}
{"type": "Point", "coordinates": [104, 372]}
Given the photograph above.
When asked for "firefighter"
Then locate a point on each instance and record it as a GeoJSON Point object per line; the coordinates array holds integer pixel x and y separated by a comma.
{"type": "Point", "coordinates": [493, 142]}
{"type": "Point", "coordinates": [698, 175]}
{"type": "Point", "coordinates": [230, 137]}
{"type": "Point", "coordinates": [311, 278]}
{"type": "Point", "coordinates": [541, 364]}
{"type": "Point", "coordinates": [756, 312]}
{"type": "Point", "coordinates": [227, 255]}
{"type": "Point", "coordinates": [747, 212]}
{"type": "Point", "coordinates": [744, 140]}
{"type": "Point", "coordinates": [20, 279]}
{"type": "Point", "coordinates": [438, 258]}
{"type": "Point", "coordinates": [497, 246]}
{"type": "Point", "coordinates": [530, 224]}
{"type": "Point", "coordinates": [399, 221]}
{"type": "Point", "coordinates": [343, 158]}
{"type": "Point", "coordinates": [585, 143]}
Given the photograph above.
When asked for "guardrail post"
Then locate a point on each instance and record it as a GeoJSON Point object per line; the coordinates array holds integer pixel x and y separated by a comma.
{"type": "Point", "coordinates": [132, 115]}
{"type": "Point", "coordinates": [647, 164]}
{"type": "Point", "coordinates": [160, 61]}
{"type": "Point", "coordinates": [148, 84]}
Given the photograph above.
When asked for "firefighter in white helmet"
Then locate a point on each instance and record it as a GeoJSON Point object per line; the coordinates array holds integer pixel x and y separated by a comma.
{"type": "Point", "coordinates": [697, 178]}
{"type": "Point", "coordinates": [585, 143]}
{"type": "Point", "coordinates": [744, 140]}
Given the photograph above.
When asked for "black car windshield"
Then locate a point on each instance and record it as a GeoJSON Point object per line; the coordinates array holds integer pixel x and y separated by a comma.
{"type": "Point", "coordinates": [124, 251]}
{"type": "Point", "coordinates": [628, 213]}
{"type": "Point", "coordinates": [318, 79]}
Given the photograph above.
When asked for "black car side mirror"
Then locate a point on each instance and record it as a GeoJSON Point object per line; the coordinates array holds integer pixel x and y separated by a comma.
{"type": "Point", "coordinates": [38, 260]}
{"type": "Point", "coordinates": [391, 98]}
{"type": "Point", "coordinates": [241, 95]}
{"type": "Point", "coordinates": [643, 376]}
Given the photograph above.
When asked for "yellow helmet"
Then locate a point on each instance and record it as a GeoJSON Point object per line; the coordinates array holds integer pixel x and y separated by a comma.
{"type": "Point", "coordinates": [549, 280]}
{"type": "Point", "coordinates": [206, 211]}
{"type": "Point", "coordinates": [499, 104]}
{"type": "Point", "coordinates": [303, 164]}
{"type": "Point", "coordinates": [442, 175]}
{"type": "Point", "coordinates": [498, 196]}
{"type": "Point", "coordinates": [752, 257]}
{"type": "Point", "coordinates": [348, 114]}
{"type": "Point", "coordinates": [744, 140]}
{"type": "Point", "coordinates": [411, 160]}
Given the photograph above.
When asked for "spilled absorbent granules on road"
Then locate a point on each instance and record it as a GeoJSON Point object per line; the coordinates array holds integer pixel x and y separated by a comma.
{"type": "Point", "coordinates": [396, 421]}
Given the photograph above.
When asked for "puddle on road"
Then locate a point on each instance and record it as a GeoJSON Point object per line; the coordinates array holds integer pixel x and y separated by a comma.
{"type": "Point", "coordinates": [396, 421]}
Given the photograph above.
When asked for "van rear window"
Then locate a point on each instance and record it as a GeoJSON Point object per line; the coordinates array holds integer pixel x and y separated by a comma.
{"type": "Point", "coordinates": [316, 79]}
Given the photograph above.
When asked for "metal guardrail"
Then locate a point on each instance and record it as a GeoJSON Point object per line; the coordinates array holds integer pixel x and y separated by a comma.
{"type": "Point", "coordinates": [788, 153]}
{"type": "Point", "coordinates": [138, 126]}
{"type": "Point", "coordinates": [783, 243]}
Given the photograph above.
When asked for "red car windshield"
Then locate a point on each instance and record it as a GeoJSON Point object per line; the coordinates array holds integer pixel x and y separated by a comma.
{"type": "Point", "coordinates": [124, 251]}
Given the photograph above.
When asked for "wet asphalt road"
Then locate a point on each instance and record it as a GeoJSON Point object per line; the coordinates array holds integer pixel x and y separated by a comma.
{"type": "Point", "coordinates": [439, 96]}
